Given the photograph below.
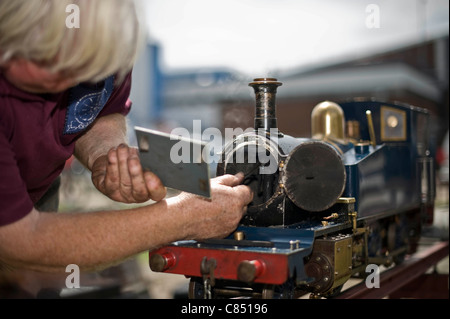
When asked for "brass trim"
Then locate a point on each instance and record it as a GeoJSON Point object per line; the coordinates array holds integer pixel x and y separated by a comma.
{"type": "Point", "coordinates": [353, 130]}
{"type": "Point", "coordinates": [353, 219]}
{"type": "Point", "coordinates": [346, 200]}
{"type": "Point", "coordinates": [383, 124]}
{"type": "Point", "coordinates": [328, 122]}
{"type": "Point", "coordinates": [373, 138]}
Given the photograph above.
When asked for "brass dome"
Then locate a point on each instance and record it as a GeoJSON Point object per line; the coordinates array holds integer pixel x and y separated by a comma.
{"type": "Point", "coordinates": [327, 122]}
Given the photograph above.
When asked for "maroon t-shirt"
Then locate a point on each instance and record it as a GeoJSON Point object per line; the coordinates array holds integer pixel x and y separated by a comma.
{"type": "Point", "coordinates": [38, 134]}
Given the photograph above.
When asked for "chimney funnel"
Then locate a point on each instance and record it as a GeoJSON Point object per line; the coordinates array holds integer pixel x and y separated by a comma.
{"type": "Point", "coordinates": [265, 91]}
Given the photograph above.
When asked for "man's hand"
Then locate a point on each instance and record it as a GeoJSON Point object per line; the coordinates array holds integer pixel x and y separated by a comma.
{"type": "Point", "coordinates": [218, 217]}
{"type": "Point", "coordinates": [119, 175]}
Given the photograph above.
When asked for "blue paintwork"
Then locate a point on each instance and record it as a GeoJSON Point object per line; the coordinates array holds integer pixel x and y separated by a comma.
{"type": "Point", "coordinates": [386, 180]}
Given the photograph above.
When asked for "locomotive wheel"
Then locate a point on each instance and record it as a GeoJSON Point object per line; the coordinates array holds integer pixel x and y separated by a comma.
{"type": "Point", "coordinates": [196, 289]}
{"type": "Point", "coordinates": [320, 268]}
{"type": "Point", "coordinates": [285, 291]}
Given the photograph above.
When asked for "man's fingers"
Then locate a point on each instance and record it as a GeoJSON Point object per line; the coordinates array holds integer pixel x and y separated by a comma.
{"type": "Point", "coordinates": [139, 188]}
{"type": "Point", "coordinates": [235, 181]}
{"type": "Point", "coordinates": [123, 154]}
{"type": "Point", "coordinates": [99, 172]}
{"type": "Point", "coordinates": [151, 184]}
{"type": "Point", "coordinates": [245, 193]}
{"type": "Point", "coordinates": [112, 171]}
{"type": "Point", "coordinates": [155, 186]}
{"type": "Point", "coordinates": [230, 180]}
{"type": "Point", "coordinates": [125, 179]}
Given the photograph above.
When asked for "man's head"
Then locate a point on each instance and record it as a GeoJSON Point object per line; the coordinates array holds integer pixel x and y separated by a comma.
{"type": "Point", "coordinates": [40, 52]}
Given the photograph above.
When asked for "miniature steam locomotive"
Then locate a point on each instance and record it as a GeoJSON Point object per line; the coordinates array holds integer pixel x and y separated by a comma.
{"type": "Point", "coordinates": [356, 193]}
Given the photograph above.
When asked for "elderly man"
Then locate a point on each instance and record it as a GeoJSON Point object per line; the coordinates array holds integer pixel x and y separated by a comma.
{"type": "Point", "coordinates": [63, 92]}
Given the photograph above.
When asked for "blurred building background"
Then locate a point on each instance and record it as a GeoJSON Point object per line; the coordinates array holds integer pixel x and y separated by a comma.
{"type": "Point", "coordinates": [201, 55]}
{"type": "Point", "coordinates": [416, 74]}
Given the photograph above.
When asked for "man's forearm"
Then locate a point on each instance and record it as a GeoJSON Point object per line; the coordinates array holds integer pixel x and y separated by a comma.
{"type": "Point", "coordinates": [46, 241]}
{"type": "Point", "coordinates": [107, 132]}
{"type": "Point", "coordinates": [50, 242]}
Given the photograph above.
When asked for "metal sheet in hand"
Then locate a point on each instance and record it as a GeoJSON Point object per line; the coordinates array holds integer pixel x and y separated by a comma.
{"type": "Point", "coordinates": [181, 163]}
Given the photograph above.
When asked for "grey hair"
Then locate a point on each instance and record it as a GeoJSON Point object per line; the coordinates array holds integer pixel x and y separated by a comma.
{"type": "Point", "coordinates": [107, 41]}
